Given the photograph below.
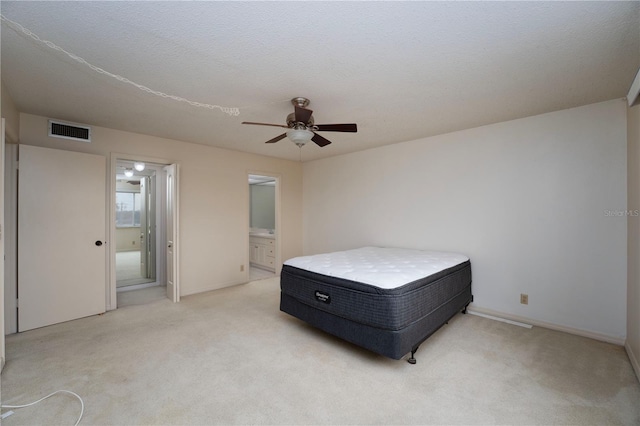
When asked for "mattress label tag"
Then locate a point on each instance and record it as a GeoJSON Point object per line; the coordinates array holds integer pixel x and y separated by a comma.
{"type": "Point", "coordinates": [323, 297]}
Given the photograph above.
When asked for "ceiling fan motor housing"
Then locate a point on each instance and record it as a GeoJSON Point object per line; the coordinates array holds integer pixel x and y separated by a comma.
{"type": "Point", "coordinates": [302, 128]}
{"type": "Point", "coordinates": [291, 121]}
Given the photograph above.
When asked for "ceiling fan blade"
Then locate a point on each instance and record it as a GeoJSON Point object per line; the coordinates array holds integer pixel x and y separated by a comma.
{"type": "Point", "coordinates": [265, 124]}
{"type": "Point", "coordinates": [277, 138]}
{"type": "Point", "coordinates": [337, 127]}
{"type": "Point", "coordinates": [302, 114]}
{"type": "Point", "coordinates": [319, 140]}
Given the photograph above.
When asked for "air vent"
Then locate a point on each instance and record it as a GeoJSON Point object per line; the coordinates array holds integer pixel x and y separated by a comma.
{"type": "Point", "coordinates": [58, 129]}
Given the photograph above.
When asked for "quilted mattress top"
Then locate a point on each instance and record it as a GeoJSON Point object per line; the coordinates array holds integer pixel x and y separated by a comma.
{"type": "Point", "coordinates": [379, 266]}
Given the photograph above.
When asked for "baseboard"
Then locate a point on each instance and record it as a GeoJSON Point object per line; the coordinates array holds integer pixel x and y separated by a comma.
{"type": "Point", "coordinates": [634, 360]}
{"type": "Point", "coordinates": [577, 331]}
{"type": "Point", "coordinates": [213, 287]}
{"type": "Point", "coordinates": [508, 321]}
{"type": "Point", "coordinates": [264, 268]}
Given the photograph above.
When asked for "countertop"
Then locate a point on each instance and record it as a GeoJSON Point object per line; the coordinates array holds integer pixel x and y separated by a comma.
{"type": "Point", "coordinates": [262, 235]}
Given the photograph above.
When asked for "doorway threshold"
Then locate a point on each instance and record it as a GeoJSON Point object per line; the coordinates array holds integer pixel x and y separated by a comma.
{"type": "Point", "coordinates": [137, 286]}
{"type": "Point", "coordinates": [142, 297]}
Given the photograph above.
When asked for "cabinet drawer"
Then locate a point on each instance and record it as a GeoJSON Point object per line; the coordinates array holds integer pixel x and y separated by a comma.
{"type": "Point", "coordinates": [271, 252]}
{"type": "Point", "coordinates": [259, 240]}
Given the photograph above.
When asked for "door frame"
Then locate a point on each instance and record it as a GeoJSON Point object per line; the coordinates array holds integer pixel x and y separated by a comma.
{"type": "Point", "coordinates": [170, 228]}
{"type": "Point", "coordinates": [278, 179]}
{"type": "Point", "coordinates": [2, 238]}
{"type": "Point", "coordinates": [111, 290]}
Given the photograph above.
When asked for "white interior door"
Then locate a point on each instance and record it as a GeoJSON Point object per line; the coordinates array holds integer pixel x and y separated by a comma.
{"type": "Point", "coordinates": [151, 231]}
{"type": "Point", "coordinates": [144, 249]}
{"type": "Point", "coordinates": [61, 236]}
{"type": "Point", "coordinates": [2, 231]}
{"type": "Point", "coordinates": [173, 289]}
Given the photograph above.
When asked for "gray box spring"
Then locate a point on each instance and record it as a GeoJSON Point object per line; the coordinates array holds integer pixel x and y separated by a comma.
{"type": "Point", "coordinates": [390, 322]}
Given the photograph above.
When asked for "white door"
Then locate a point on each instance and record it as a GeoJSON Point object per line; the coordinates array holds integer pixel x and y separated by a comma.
{"type": "Point", "coordinates": [61, 236]}
{"type": "Point", "coordinates": [173, 289]}
{"type": "Point", "coordinates": [144, 249]}
{"type": "Point", "coordinates": [151, 231]}
{"type": "Point", "coordinates": [2, 329]}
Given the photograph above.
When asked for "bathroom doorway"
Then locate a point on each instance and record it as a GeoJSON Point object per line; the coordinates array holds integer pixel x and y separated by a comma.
{"type": "Point", "coordinates": [263, 235]}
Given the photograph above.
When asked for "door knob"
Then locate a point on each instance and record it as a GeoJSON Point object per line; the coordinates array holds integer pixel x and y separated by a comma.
{"type": "Point", "coordinates": [98, 243]}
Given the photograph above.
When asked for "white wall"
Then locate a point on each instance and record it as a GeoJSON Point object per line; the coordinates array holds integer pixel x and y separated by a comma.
{"type": "Point", "coordinates": [214, 198]}
{"type": "Point", "coordinates": [633, 241]}
{"type": "Point", "coordinates": [524, 199]}
{"type": "Point", "coordinates": [128, 239]}
{"type": "Point", "coordinates": [11, 115]}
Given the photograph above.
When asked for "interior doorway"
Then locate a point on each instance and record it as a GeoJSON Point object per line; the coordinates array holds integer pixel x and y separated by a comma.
{"type": "Point", "coordinates": [137, 208]}
{"type": "Point", "coordinates": [263, 229]}
{"type": "Point", "coordinates": [143, 231]}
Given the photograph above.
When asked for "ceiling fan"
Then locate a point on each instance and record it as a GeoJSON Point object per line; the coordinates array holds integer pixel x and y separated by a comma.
{"type": "Point", "coordinates": [302, 128]}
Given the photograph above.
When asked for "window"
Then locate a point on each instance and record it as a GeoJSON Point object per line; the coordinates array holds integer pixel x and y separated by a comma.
{"type": "Point", "coordinates": [127, 209]}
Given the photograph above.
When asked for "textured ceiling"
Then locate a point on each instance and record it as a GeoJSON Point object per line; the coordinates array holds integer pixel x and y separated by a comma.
{"type": "Point", "coordinates": [400, 70]}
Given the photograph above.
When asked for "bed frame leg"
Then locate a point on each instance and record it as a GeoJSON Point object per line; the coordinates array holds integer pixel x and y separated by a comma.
{"type": "Point", "coordinates": [464, 310]}
{"type": "Point", "coordinates": [412, 360]}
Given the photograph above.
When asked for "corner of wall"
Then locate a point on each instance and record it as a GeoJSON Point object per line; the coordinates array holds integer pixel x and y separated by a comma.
{"type": "Point", "coordinates": [11, 115]}
{"type": "Point", "coordinates": [633, 358]}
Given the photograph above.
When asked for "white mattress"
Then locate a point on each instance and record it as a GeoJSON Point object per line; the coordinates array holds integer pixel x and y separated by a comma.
{"type": "Point", "coordinates": [379, 266]}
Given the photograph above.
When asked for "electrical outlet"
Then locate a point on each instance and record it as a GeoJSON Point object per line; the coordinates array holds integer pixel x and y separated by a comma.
{"type": "Point", "coordinates": [524, 299]}
{"type": "Point", "coordinates": [241, 268]}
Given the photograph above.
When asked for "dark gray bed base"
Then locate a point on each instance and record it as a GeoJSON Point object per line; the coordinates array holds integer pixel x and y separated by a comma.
{"type": "Point", "coordinates": [388, 322]}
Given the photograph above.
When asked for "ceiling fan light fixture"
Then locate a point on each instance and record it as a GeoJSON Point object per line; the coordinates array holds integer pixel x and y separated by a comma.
{"type": "Point", "coordinates": [128, 172]}
{"type": "Point", "coordinates": [302, 128]}
{"type": "Point", "coordinates": [300, 136]}
{"type": "Point", "coordinates": [139, 166]}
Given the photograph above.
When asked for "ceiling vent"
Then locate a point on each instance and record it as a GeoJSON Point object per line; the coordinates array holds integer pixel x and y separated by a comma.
{"type": "Point", "coordinates": [58, 129]}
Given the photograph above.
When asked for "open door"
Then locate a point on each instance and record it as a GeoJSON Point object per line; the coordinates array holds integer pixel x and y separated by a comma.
{"type": "Point", "coordinates": [173, 289]}
{"type": "Point", "coordinates": [144, 241]}
{"type": "Point", "coordinates": [61, 236]}
{"type": "Point", "coordinates": [2, 231]}
{"type": "Point", "coordinates": [151, 229]}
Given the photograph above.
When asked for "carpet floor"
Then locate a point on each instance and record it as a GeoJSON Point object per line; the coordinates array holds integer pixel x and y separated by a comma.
{"type": "Point", "coordinates": [142, 296]}
{"type": "Point", "coordinates": [231, 357]}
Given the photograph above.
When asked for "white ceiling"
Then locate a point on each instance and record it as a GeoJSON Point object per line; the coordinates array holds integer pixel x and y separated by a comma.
{"type": "Point", "coordinates": [400, 70]}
